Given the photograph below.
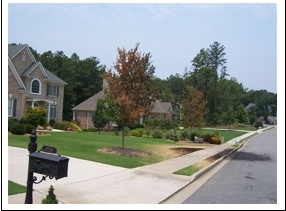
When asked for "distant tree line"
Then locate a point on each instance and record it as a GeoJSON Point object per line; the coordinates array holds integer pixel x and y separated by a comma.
{"type": "Point", "coordinates": [223, 97]}
{"type": "Point", "coordinates": [84, 77]}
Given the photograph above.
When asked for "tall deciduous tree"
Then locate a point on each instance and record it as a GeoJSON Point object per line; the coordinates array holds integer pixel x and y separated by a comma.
{"type": "Point", "coordinates": [130, 86]}
{"type": "Point", "coordinates": [193, 108]}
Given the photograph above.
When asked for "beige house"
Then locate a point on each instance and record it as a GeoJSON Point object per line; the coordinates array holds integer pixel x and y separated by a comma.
{"type": "Point", "coordinates": [83, 112]}
{"type": "Point", "coordinates": [32, 85]}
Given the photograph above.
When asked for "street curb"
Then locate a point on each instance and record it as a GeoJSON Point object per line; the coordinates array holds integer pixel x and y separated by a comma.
{"type": "Point", "coordinates": [202, 171]}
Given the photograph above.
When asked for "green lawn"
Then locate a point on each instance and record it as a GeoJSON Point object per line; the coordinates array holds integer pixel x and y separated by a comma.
{"type": "Point", "coordinates": [84, 146]}
{"type": "Point", "coordinates": [236, 127]}
{"type": "Point", "coordinates": [14, 188]}
{"type": "Point", "coordinates": [188, 171]}
{"type": "Point", "coordinates": [226, 134]}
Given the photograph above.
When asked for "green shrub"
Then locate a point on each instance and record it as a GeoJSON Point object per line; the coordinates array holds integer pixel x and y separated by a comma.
{"type": "Point", "coordinates": [126, 131]}
{"type": "Point", "coordinates": [135, 133]}
{"type": "Point", "coordinates": [75, 127]}
{"type": "Point", "coordinates": [136, 125]}
{"type": "Point", "coordinates": [148, 132]}
{"type": "Point", "coordinates": [23, 121]}
{"type": "Point", "coordinates": [116, 133]}
{"type": "Point", "coordinates": [158, 134]}
{"type": "Point", "coordinates": [11, 122]}
{"type": "Point", "coordinates": [61, 125]}
{"type": "Point", "coordinates": [36, 116]}
{"type": "Point", "coordinates": [51, 198]}
{"type": "Point", "coordinates": [52, 122]}
{"type": "Point", "coordinates": [29, 128]}
{"type": "Point", "coordinates": [216, 133]}
{"type": "Point", "coordinates": [258, 124]}
{"type": "Point", "coordinates": [184, 134]}
{"type": "Point", "coordinates": [167, 124]}
{"type": "Point", "coordinates": [18, 129]}
{"type": "Point", "coordinates": [141, 131]}
{"type": "Point", "coordinates": [176, 139]}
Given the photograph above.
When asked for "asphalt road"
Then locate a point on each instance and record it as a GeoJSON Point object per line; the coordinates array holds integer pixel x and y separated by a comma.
{"type": "Point", "coordinates": [250, 176]}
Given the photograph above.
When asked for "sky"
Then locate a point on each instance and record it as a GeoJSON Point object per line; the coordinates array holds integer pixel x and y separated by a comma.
{"type": "Point", "coordinates": [173, 33]}
{"type": "Point", "coordinates": [252, 32]}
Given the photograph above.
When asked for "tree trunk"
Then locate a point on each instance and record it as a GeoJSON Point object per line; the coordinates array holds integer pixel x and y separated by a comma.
{"type": "Point", "coordinates": [123, 137]}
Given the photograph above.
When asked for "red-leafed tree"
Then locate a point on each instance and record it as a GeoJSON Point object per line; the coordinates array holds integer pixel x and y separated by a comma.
{"type": "Point", "coordinates": [193, 108]}
{"type": "Point", "coordinates": [130, 93]}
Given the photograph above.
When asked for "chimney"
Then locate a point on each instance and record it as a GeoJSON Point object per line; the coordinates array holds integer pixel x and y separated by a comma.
{"type": "Point", "coordinates": [105, 84]}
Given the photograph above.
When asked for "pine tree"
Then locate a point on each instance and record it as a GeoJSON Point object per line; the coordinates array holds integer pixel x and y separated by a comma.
{"type": "Point", "coordinates": [51, 197]}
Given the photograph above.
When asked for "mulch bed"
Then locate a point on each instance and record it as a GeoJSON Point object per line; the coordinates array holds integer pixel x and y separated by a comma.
{"type": "Point", "coordinates": [219, 155]}
{"type": "Point", "coordinates": [185, 150]}
{"type": "Point", "coordinates": [124, 152]}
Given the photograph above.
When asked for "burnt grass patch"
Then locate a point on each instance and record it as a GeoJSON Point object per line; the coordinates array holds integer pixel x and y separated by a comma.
{"type": "Point", "coordinates": [185, 150]}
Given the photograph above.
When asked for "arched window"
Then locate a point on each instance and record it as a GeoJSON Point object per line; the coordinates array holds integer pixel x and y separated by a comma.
{"type": "Point", "coordinates": [36, 86]}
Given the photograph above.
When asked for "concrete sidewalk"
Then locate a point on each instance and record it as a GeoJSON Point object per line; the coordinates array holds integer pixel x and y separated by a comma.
{"type": "Point", "coordinates": [95, 183]}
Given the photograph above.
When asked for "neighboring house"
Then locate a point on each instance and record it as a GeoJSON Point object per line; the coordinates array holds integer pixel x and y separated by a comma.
{"type": "Point", "coordinates": [162, 111]}
{"type": "Point", "coordinates": [271, 119]}
{"type": "Point", "coordinates": [249, 107]}
{"type": "Point", "coordinates": [83, 113]}
{"type": "Point", "coordinates": [32, 85]}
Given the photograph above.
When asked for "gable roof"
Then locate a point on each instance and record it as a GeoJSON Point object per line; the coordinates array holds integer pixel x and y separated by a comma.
{"type": "Point", "coordinates": [90, 103]}
{"type": "Point", "coordinates": [30, 69]}
{"type": "Point", "coordinates": [13, 50]}
{"type": "Point", "coordinates": [54, 78]}
{"type": "Point", "coordinates": [16, 74]}
{"type": "Point", "coordinates": [162, 107]}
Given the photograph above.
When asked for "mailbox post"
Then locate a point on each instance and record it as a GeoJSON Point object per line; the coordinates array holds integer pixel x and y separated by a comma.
{"type": "Point", "coordinates": [45, 161]}
{"type": "Point", "coordinates": [32, 147]}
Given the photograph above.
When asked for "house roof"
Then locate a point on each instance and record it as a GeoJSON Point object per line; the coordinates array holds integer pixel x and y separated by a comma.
{"type": "Point", "coordinates": [162, 107]}
{"type": "Point", "coordinates": [13, 50]}
{"type": "Point", "coordinates": [90, 103]}
{"type": "Point", "coordinates": [54, 78]}
{"type": "Point", "coordinates": [249, 106]}
{"type": "Point", "coordinates": [30, 69]}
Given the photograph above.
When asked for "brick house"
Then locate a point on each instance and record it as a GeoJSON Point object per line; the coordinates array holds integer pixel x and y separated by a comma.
{"type": "Point", "coordinates": [83, 113]}
{"type": "Point", "coordinates": [32, 85]}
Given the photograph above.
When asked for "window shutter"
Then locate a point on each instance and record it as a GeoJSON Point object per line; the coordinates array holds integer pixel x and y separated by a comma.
{"type": "Point", "coordinates": [48, 89]}
{"type": "Point", "coordinates": [14, 107]}
{"type": "Point", "coordinates": [58, 88]}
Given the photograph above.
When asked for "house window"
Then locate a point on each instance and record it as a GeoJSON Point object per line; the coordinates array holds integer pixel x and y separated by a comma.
{"type": "Point", "coordinates": [10, 107]}
{"type": "Point", "coordinates": [52, 90]}
{"type": "Point", "coordinates": [53, 112]}
{"type": "Point", "coordinates": [24, 57]}
{"type": "Point", "coordinates": [36, 86]}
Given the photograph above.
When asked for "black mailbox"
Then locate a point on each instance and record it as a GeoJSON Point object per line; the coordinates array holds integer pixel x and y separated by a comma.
{"type": "Point", "coordinates": [50, 164]}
